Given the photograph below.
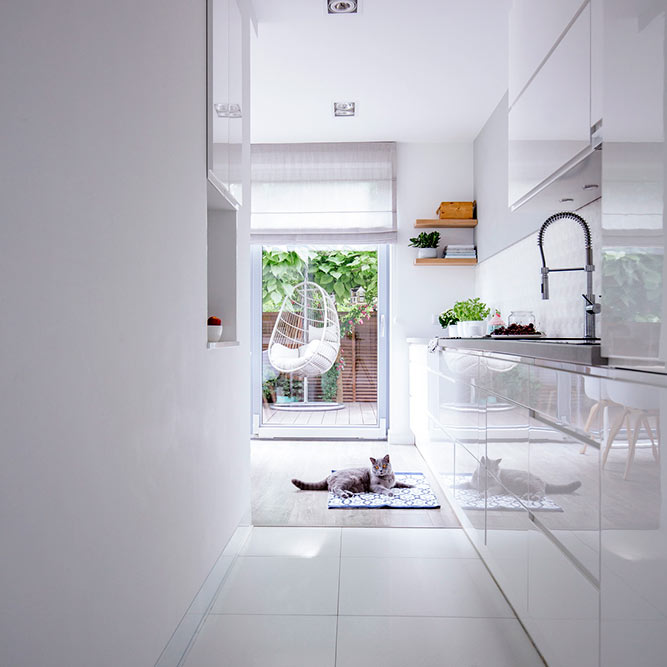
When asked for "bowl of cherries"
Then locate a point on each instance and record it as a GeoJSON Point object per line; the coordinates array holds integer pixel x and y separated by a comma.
{"type": "Point", "coordinates": [517, 331]}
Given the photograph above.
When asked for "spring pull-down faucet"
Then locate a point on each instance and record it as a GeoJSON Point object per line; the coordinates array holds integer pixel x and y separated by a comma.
{"type": "Point", "coordinates": [591, 308]}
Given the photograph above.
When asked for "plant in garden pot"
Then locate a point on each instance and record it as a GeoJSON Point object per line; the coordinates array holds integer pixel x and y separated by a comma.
{"type": "Point", "coordinates": [269, 391]}
{"type": "Point", "coordinates": [471, 314]}
{"type": "Point", "coordinates": [288, 389]}
{"type": "Point", "coordinates": [449, 321]}
{"type": "Point", "coordinates": [427, 244]}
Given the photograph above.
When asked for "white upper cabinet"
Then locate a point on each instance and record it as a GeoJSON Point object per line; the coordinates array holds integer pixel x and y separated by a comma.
{"type": "Point", "coordinates": [235, 100]}
{"type": "Point", "coordinates": [549, 123]}
{"type": "Point", "coordinates": [225, 85]}
{"type": "Point", "coordinates": [534, 28]}
{"type": "Point", "coordinates": [634, 167]}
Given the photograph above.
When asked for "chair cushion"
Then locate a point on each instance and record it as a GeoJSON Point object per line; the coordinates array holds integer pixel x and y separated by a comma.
{"type": "Point", "coordinates": [315, 333]}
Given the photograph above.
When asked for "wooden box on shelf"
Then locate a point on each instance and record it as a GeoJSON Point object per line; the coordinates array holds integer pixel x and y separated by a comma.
{"type": "Point", "coordinates": [456, 210]}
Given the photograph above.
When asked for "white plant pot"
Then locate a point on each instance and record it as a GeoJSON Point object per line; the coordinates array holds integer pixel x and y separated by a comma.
{"type": "Point", "coordinates": [474, 329]}
{"type": "Point", "coordinates": [214, 332]}
{"type": "Point", "coordinates": [453, 330]}
{"type": "Point", "coordinates": [424, 253]}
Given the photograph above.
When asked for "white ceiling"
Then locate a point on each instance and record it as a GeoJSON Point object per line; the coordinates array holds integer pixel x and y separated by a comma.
{"type": "Point", "coordinates": [419, 70]}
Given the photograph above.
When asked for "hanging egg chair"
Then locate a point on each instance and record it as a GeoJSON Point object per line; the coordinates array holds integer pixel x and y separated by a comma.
{"type": "Point", "coordinates": [306, 336]}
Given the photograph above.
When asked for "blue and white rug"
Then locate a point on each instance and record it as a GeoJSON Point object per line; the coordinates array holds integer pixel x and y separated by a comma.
{"type": "Point", "coordinates": [420, 496]}
{"type": "Point", "coordinates": [469, 499]}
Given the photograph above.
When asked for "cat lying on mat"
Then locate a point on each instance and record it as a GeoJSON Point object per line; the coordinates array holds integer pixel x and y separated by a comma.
{"type": "Point", "coordinates": [519, 482]}
{"type": "Point", "coordinates": [379, 478]}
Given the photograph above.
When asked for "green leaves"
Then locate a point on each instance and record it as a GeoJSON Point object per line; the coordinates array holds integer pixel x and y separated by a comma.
{"type": "Point", "coordinates": [425, 240]}
{"type": "Point", "coordinates": [337, 271]}
{"type": "Point", "coordinates": [471, 310]}
{"type": "Point", "coordinates": [447, 317]}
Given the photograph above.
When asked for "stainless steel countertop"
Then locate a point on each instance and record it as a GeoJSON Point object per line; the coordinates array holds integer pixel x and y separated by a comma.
{"type": "Point", "coordinates": [572, 351]}
{"type": "Point", "coordinates": [575, 355]}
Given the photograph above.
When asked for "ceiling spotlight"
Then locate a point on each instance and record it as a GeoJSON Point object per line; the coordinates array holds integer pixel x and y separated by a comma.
{"type": "Point", "coordinates": [342, 6]}
{"type": "Point", "coordinates": [590, 186]}
{"type": "Point", "coordinates": [228, 110]}
{"type": "Point", "coordinates": [344, 109]}
{"type": "Point", "coordinates": [566, 200]}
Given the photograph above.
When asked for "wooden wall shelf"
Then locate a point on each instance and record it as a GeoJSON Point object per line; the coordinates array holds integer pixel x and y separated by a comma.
{"type": "Point", "coordinates": [450, 222]}
{"type": "Point", "coordinates": [443, 261]}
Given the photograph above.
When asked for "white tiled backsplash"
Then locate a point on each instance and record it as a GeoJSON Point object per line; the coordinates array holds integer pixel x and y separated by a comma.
{"type": "Point", "coordinates": [510, 280]}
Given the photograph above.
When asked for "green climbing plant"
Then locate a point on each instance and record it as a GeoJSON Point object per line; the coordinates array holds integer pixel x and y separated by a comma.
{"type": "Point", "coordinates": [337, 271]}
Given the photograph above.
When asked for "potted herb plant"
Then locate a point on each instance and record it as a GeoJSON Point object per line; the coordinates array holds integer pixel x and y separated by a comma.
{"type": "Point", "coordinates": [427, 244]}
{"type": "Point", "coordinates": [471, 314]}
{"type": "Point", "coordinates": [449, 321]}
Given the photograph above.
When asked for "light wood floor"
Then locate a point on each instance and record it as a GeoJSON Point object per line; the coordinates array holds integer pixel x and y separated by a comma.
{"type": "Point", "coordinates": [353, 414]}
{"type": "Point", "coordinates": [276, 502]}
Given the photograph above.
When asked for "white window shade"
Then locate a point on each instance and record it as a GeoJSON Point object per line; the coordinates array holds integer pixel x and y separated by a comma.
{"type": "Point", "coordinates": [324, 192]}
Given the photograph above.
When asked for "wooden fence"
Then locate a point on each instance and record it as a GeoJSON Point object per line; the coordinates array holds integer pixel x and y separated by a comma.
{"type": "Point", "coordinates": [360, 353]}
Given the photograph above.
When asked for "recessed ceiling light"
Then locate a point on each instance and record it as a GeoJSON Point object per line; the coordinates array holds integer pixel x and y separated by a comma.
{"type": "Point", "coordinates": [342, 6]}
{"type": "Point", "coordinates": [566, 200]}
{"type": "Point", "coordinates": [344, 109]}
{"type": "Point", "coordinates": [590, 186]}
{"type": "Point", "coordinates": [228, 110]}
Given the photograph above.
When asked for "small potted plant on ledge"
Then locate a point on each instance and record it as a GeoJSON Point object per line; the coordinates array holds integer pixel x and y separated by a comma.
{"type": "Point", "coordinates": [449, 321]}
{"type": "Point", "coordinates": [471, 314]}
{"type": "Point", "coordinates": [214, 329]}
{"type": "Point", "coordinates": [427, 244]}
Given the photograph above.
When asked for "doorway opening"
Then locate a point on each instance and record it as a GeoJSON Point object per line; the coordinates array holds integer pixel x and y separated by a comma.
{"type": "Point", "coordinates": [345, 397]}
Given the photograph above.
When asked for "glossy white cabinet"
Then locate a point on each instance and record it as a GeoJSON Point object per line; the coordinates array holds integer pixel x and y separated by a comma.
{"type": "Point", "coordinates": [634, 537]}
{"type": "Point", "coordinates": [235, 137]}
{"type": "Point", "coordinates": [225, 112]}
{"type": "Point", "coordinates": [557, 458]}
{"type": "Point", "coordinates": [506, 553]}
{"type": "Point", "coordinates": [634, 169]}
{"type": "Point", "coordinates": [563, 606]}
{"type": "Point", "coordinates": [549, 124]}
{"type": "Point", "coordinates": [458, 409]}
{"type": "Point", "coordinates": [588, 582]}
{"type": "Point", "coordinates": [534, 27]}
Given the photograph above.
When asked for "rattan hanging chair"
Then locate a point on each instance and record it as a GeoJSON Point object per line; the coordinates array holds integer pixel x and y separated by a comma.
{"type": "Point", "coordinates": [306, 336]}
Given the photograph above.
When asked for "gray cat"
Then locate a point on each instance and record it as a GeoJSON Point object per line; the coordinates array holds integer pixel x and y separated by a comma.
{"type": "Point", "coordinates": [379, 478]}
{"type": "Point", "coordinates": [519, 482]}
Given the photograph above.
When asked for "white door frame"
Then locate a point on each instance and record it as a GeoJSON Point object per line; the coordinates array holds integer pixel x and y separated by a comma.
{"type": "Point", "coordinates": [296, 431]}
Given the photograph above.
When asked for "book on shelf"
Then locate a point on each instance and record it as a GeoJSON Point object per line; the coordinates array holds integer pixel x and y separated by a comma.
{"type": "Point", "coordinates": [460, 252]}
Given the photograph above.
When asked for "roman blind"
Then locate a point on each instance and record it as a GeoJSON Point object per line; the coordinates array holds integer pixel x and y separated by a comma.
{"type": "Point", "coordinates": [323, 192]}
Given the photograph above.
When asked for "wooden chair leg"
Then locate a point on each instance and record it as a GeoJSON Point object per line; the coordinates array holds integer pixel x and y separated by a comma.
{"type": "Point", "coordinates": [613, 432]}
{"type": "Point", "coordinates": [589, 421]}
{"type": "Point", "coordinates": [633, 436]}
{"type": "Point", "coordinates": [647, 425]}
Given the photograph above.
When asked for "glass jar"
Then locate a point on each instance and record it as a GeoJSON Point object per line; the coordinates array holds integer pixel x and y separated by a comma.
{"type": "Point", "coordinates": [522, 317]}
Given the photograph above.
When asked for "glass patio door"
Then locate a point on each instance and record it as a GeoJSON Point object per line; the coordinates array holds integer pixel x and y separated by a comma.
{"type": "Point", "coordinates": [347, 399]}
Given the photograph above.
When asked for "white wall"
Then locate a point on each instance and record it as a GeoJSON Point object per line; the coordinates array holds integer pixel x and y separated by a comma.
{"type": "Point", "coordinates": [511, 279]}
{"type": "Point", "coordinates": [426, 175]}
{"type": "Point", "coordinates": [124, 470]}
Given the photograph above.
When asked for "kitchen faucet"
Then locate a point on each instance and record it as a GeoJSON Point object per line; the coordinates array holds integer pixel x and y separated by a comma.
{"type": "Point", "coordinates": [591, 308]}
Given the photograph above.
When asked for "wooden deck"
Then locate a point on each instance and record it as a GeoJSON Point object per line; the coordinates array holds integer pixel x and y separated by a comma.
{"type": "Point", "coordinates": [353, 414]}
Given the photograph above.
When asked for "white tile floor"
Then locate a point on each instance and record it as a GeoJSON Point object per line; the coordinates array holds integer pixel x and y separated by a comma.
{"type": "Point", "coordinates": [353, 597]}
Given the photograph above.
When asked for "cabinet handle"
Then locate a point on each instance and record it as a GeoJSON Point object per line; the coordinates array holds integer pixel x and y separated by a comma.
{"type": "Point", "coordinates": [583, 439]}
{"type": "Point", "coordinates": [565, 551]}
